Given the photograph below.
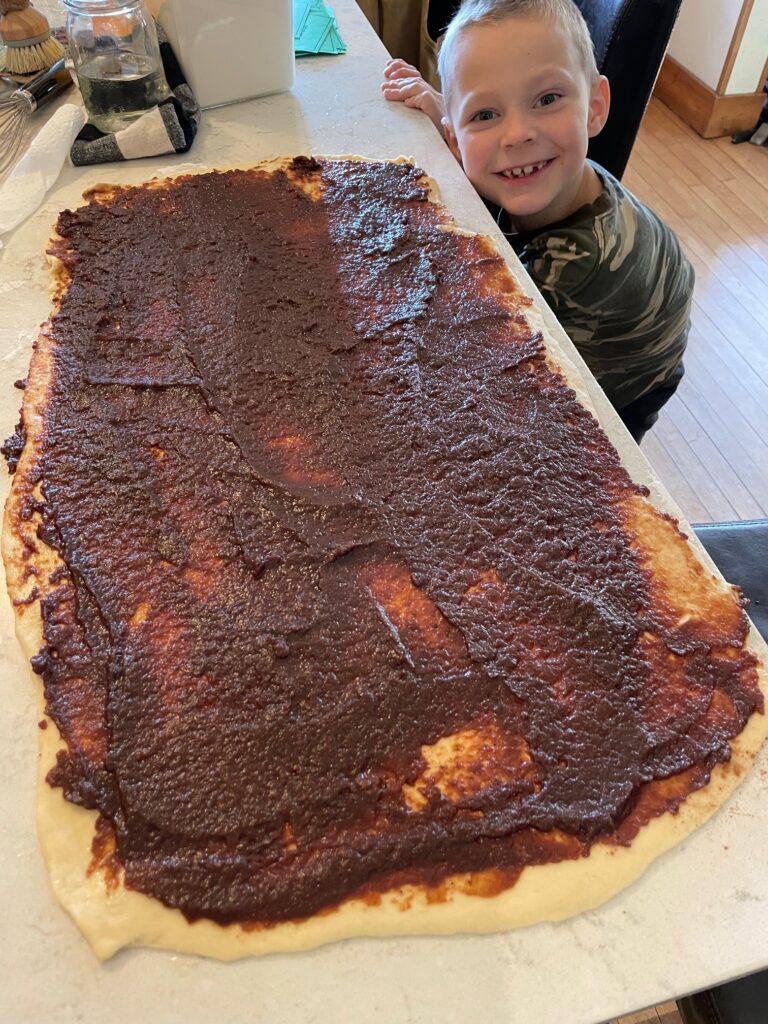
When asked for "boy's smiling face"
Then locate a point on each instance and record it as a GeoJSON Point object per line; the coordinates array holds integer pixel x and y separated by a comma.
{"type": "Point", "coordinates": [520, 112]}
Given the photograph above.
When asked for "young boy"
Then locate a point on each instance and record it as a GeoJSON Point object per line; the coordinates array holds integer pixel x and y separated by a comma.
{"type": "Point", "coordinates": [522, 97]}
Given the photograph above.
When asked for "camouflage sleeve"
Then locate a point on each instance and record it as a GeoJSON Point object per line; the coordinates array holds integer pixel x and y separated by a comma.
{"type": "Point", "coordinates": [562, 267]}
{"type": "Point", "coordinates": [621, 287]}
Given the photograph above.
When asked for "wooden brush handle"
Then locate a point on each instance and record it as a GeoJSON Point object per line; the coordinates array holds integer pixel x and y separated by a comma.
{"type": "Point", "coordinates": [6, 6]}
{"type": "Point", "coordinates": [21, 24]}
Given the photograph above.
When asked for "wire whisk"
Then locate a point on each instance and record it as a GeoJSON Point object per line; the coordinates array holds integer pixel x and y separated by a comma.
{"type": "Point", "coordinates": [18, 103]}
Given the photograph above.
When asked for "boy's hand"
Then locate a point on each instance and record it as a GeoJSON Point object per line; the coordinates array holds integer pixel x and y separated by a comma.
{"type": "Point", "coordinates": [403, 83]}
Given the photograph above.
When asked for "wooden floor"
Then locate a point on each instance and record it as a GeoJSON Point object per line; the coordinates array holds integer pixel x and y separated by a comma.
{"type": "Point", "coordinates": [664, 1014]}
{"type": "Point", "coordinates": [710, 446]}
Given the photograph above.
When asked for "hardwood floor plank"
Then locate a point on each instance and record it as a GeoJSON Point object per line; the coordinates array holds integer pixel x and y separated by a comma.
{"type": "Point", "coordinates": [752, 159]}
{"type": "Point", "coordinates": [650, 148]}
{"type": "Point", "coordinates": [677, 155]}
{"type": "Point", "coordinates": [732, 268]}
{"type": "Point", "coordinates": [662, 123]}
{"type": "Point", "coordinates": [644, 1017]}
{"type": "Point", "coordinates": [726, 482]}
{"type": "Point", "coordinates": [720, 369]}
{"type": "Point", "coordinates": [674, 130]}
{"type": "Point", "coordinates": [736, 324]}
{"type": "Point", "coordinates": [739, 397]}
{"type": "Point", "coordinates": [681, 205]}
{"type": "Point", "coordinates": [666, 1013]}
{"type": "Point", "coordinates": [755, 222]}
{"type": "Point", "coordinates": [736, 265]}
{"type": "Point", "coordinates": [729, 217]}
{"type": "Point", "coordinates": [751, 195]}
{"type": "Point", "coordinates": [669, 1014]}
{"type": "Point", "coordinates": [731, 465]}
{"type": "Point", "coordinates": [716, 504]}
{"type": "Point", "coordinates": [695, 213]}
{"type": "Point", "coordinates": [674, 479]}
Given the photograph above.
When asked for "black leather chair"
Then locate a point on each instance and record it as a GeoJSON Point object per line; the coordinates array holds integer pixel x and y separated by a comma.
{"type": "Point", "coordinates": [739, 1002]}
{"type": "Point", "coordinates": [630, 38]}
{"type": "Point", "coordinates": [740, 551]}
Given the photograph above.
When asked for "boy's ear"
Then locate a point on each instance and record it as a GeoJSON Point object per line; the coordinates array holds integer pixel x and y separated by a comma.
{"type": "Point", "coordinates": [450, 137]}
{"type": "Point", "coordinates": [599, 105]}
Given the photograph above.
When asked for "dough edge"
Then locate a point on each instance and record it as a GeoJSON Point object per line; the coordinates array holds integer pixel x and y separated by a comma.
{"type": "Point", "coordinates": [113, 919]}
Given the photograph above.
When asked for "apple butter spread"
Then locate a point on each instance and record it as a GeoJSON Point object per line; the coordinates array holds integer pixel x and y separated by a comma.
{"type": "Point", "coordinates": [349, 594]}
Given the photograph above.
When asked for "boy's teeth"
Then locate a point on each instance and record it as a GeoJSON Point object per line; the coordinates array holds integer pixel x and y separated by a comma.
{"type": "Point", "coordinates": [523, 172]}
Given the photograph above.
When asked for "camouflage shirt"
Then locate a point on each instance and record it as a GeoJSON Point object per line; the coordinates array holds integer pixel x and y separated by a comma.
{"type": "Point", "coordinates": [616, 279]}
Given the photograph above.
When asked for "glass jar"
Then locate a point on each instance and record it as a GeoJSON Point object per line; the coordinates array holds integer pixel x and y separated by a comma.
{"type": "Point", "coordinates": [117, 60]}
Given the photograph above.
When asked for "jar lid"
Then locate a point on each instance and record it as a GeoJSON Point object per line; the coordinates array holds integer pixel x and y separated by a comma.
{"type": "Point", "coordinates": [101, 6]}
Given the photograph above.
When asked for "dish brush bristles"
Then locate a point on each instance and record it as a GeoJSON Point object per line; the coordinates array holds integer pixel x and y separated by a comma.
{"type": "Point", "coordinates": [29, 45]}
{"type": "Point", "coordinates": [26, 60]}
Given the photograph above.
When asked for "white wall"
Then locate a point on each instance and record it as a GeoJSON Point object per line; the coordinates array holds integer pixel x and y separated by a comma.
{"type": "Point", "coordinates": [748, 69]}
{"type": "Point", "coordinates": [702, 36]}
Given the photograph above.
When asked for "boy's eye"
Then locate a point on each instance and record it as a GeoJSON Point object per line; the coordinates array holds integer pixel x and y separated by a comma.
{"type": "Point", "coordinates": [484, 115]}
{"type": "Point", "coordinates": [547, 98]}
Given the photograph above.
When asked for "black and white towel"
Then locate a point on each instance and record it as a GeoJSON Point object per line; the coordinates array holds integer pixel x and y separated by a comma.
{"type": "Point", "coordinates": [170, 127]}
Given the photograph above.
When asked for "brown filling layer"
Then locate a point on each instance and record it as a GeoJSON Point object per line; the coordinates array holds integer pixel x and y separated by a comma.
{"type": "Point", "coordinates": [348, 599]}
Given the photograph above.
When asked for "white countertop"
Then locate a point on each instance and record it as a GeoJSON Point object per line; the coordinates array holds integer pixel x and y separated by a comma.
{"type": "Point", "coordinates": [696, 918]}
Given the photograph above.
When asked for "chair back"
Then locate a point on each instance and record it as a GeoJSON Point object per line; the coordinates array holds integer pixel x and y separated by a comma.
{"type": "Point", "coordinates": [630, 39]}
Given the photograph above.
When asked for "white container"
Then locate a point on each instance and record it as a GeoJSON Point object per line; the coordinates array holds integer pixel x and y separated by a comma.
{"type": "Point", "coordinates": [230, 50]}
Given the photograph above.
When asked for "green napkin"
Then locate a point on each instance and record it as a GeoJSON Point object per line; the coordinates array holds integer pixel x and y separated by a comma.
{"type": "Point", "coordinates": [315, 29]}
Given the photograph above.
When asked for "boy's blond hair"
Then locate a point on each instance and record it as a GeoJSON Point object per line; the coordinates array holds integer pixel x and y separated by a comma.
{"type": "Point", "coordinates": [489, 12]}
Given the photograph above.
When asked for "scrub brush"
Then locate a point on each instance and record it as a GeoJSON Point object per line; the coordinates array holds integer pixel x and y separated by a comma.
{"type": "Point", "coordinates": [29, 45]}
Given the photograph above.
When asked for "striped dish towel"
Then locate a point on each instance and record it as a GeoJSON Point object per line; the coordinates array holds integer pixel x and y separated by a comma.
{"type": "Point", "coordinates": [170, 127]}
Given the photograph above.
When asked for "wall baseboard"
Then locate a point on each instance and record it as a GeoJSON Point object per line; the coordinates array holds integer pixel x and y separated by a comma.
{"type": "Point", "coordinates": [709, 113]}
